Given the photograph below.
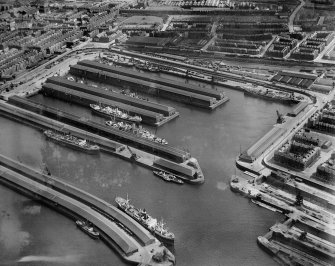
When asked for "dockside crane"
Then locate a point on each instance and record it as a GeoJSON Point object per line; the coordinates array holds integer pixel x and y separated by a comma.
{"type": "Point", "coordinates": [134, 156]}
{"type": "Point", "coordinates": [299, 199]}
{"type": "Point", "coordinates": [280, 118]}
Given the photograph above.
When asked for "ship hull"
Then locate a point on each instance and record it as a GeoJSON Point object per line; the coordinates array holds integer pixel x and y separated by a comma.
{"type": "Point", "coordinates": [288, 101]}
{"type": "Point", "coordinates": [73, 146]}
{"type": "Point", "coordinates": [171, 180]}
{"type": "Point", "coordinates": [155, 233]}
{"type": "Point", "coordinates": [111, 116]}
{"type": "Point", "coordinates": [94, 236]}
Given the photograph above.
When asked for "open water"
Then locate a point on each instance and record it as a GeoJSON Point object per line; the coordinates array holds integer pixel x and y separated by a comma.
{"type": "Point", "coordinates": [213, 226]}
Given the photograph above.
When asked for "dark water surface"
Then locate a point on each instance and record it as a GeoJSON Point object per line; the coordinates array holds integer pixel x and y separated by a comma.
{"type": "Point", "coordinates": [213, 226]}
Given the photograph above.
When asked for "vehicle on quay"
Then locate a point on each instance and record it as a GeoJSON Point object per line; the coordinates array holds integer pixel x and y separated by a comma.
{"type": "Point", "coordinates": [168, 177]}
{"type": "Point", "coordinates": [116, 113]}
{"type": "Point", "coordinates": [157, 228]}
{"type": "Point", "coordinates": [72, 141]}
{"type": "Point", "coordinates": [138, 131]}
{"type": "Point", "coordinates": [85, 227]}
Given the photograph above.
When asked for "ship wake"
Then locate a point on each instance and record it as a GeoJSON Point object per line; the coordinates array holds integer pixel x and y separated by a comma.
{"type": "Point", "coordinates": [60, 259]}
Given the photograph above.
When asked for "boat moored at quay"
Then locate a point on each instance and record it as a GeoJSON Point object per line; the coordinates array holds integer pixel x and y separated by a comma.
{"type": "Point", "coordinates": [274, 95]}
{"type": "Point", "coordinates": [157, 228]}
{"type": "Point", "coordinates": [108, 111]}
{"type": "Point", "coordinates": [85, 227]}
{"type": "Point", "coordinates": [138, 131]}
{"type": "Point", "coordinates": [168, 177]}
{"type": "Point", "coordinates": [72, 141]}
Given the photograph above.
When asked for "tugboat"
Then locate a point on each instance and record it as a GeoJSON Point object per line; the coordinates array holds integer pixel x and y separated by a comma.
{"type": "Point", "coordinates": [168, 177]}
{"type": "Point", "coordinates": [87, 229]}
{"type": "Point", "coordinates": [72, 141]}
{"type": "Point", "coordinates": [138, 131]}
{"type": "Point", "coordinates": [108, 111]}
{"type": "Point", "coordinates": [158, 229]}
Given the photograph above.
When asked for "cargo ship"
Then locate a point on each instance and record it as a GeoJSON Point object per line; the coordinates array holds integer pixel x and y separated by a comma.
{"type": "Point", "coordinates": [87, 229]}
{"type": "Point", "coordinates": [138, 131]}
{"type": "Point", "coordinates": [108, 111]}
{"type": "Point", "coordinates": [270, 94]}
{"type": "Point", "coordinates": [72, 141]}
{"type": "Point", "coordinates": [158, 229]}
{"type": "Point", "coordinates": [168, 177]}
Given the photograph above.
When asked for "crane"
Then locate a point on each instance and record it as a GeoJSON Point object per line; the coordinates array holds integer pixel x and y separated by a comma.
{"type": "Point", "coordinates": [280, 118]}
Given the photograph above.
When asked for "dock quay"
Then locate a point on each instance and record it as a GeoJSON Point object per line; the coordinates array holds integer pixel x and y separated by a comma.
{"type": "Point", "coordinates": [85, 99]}
{"type": "Point", "coordinates": [147, 160]}
{"type": "Point", "coordinates": [153, 79]}
{"type": "Point", "coordinates": [149, 87]}
{"type": "Point", "coordinates": [292, 245]}
{"type": "Point", "coordinates": [114, 96]}
{"type": "Point", "coordinates": [139, 247]}
{"type": "Point", "coordinates": [166, 151]}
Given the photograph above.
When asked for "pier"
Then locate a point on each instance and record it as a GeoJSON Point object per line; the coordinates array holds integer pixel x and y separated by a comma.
{"type": "Point", "coordinates": [183, 166]}
{"type": "Point", "coordinates": [187, 95]}
{"type": "Point", "coordinates": [85, 99]}
{"type": "Point", "coordinates": [114, 96]}
{"type": "Point", "coordinates": [165, 151]}
{"type": "Point", "coordinates": [137, 247]}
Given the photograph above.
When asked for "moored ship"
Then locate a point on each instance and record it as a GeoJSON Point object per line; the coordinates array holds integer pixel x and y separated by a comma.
{"type": "Point", "coordinates": [132, 94]}
{"type": "Point", "coordinates": [157, 228]}
{"type": "Point", "coordinates": [168, 177]}
{"type": "Point", "coordinates": [108, 111]}
{"type": "Point", "coordinates": [87, 229]}
{"type": "Point", "coordinates": [138, 131]}
{"type": "Point", "coordinates": [72, 141]}
{"type": "Point", "coordinates": [270, 94]}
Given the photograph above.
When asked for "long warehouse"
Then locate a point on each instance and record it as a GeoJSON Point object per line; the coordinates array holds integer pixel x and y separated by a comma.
{"type": "Point", "coordinates": [166, 151]}
{"type": "Point", "coordinates": [153, 79]}
{"type": "Point", "coordinates": [82, 98]}
{"type": "Point", "coordinates": [114, 96]}
{"type": "Point", "coordinates": [147, 87]}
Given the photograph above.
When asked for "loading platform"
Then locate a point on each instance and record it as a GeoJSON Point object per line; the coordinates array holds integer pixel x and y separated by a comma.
{"type": "Point", "coordinates": [166, 151]}
{"type": "Point", "coordinates": [149, 87]}
{"type": "Point", "coordinates": [79, 204]}
{"type": "Point", "coordinates": [114, 96]}
{"type": "Point", "coordinates": [85, 99]}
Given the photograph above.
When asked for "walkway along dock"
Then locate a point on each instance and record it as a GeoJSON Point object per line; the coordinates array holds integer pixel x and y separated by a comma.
{"type": "Point", "coordinates": [193, 97]}
{"type": "Point", "coordinates": [79, 204]}
{"type": "Point", "coordinates": [85, 99]}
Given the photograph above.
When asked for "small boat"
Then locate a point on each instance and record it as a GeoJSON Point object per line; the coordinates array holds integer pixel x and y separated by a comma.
{"type": "Point", "coordinates": [168, 177]}
{"type": "Point", "coordinates": [87, 229]}
{"type": "Point", "coordinates": [72, 141]}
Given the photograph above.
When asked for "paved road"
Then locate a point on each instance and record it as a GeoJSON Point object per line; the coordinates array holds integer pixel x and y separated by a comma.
{"type": "Point", "coordinates": [292, 16]}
